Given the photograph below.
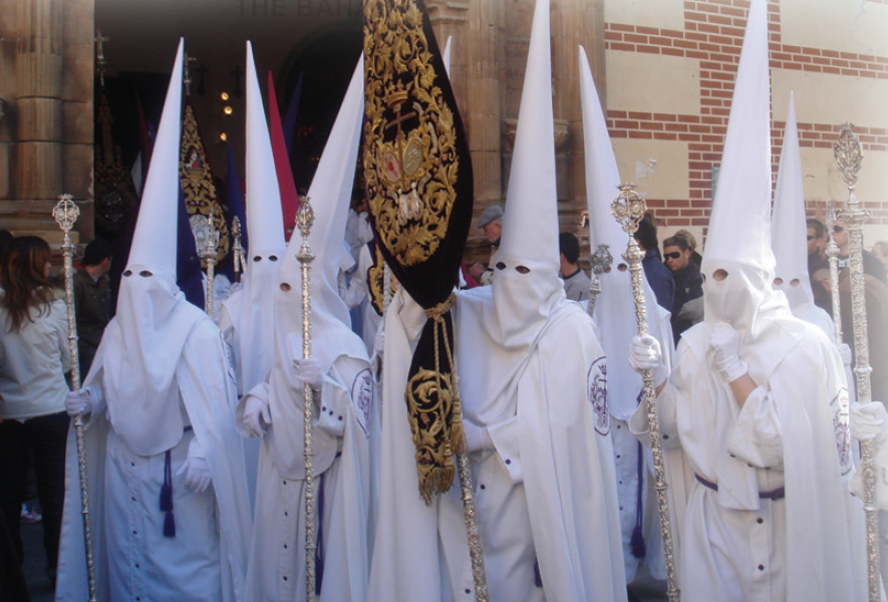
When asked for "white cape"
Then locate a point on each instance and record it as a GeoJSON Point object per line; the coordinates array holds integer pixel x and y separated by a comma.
{"type": "Point", "coordinates": [206, 388]}
{"type": "Point", "coordinates": [568, 480]}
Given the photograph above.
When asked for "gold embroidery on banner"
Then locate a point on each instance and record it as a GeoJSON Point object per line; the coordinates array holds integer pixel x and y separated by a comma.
{"type": "Point", "coordinates": [410, 161]}
{"type": "Point", "coordinates": [429, 402]}
{"type": "Point", "coordinates": [197, 182]}
{"type": "Point", "coordinates": [376, 281]}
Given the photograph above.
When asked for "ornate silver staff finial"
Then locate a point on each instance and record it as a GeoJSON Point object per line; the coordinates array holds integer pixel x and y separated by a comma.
{"type": "Point", "coordinates": [186, 73]}
{"type": "Point", "coordinates": [601, 264]}
{"type": "Point", "coordinates": [237, 248]}
{"type": "Point", "coordinates": [628, 209]}
{"type": "Point", "coordinates": [101, 62]}
{"type": "Point", "coordinates": [849, 156]}
{"type": "Point", "coordinates": [305, 217]}
{"type": "Point", "coordinates": [66, 213]}
{"type": "Point", "coordinates": [206, 241]}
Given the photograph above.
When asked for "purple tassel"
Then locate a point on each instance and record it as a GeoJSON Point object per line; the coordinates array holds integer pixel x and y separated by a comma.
{"type": "Point", "coordinates": [636, 543]}
{"type": "Point", "coordinates": [169, 524]}
{"type": "Point", "coordinates": [166, 497]}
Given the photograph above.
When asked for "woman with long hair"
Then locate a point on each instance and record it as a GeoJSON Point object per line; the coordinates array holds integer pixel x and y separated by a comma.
{"type": "Point", "coordinates": [34, 358]}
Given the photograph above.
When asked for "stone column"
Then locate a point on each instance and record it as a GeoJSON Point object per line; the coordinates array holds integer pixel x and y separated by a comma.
{"type": "Point", "coordinates": [574, 23]}
{"type": "Point", "coordinates": [485, 60]}
{"type": "Point", "coordinates": [450, 19]}
{"type": "Point", "coordinates": [46, 135]}
{"type": "Point", "coordinates": [38, 152]}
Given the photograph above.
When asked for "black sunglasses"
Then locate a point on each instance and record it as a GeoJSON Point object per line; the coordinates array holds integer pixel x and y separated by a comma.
{"type": "Point", "coordinates": [838, 229]}
{"type": "Point", "coordinates": [673, 255]}
{"type": "Point", "coordinates": [811, 237]}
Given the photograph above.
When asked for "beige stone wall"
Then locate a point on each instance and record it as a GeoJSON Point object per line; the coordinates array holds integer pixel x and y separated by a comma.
{"type": "Point", "coordinates": [46, 135]}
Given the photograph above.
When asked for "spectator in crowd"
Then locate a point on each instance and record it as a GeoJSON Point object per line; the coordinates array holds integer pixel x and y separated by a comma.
{"type": "Point", "coordinates": [491, 222]}
{"type": "Point", "coordinates": [576, 282]}
{"type": "Point", "coordinates": [692, 243]}
{"type": "Point", "coordinates": [687, 305]}
{"type": "Point", "coordinates": [880, 250]}
{"type": "Point", "coordinates": [871, 264]}
{"type": "Point", "coordinates": [817, 241]}
{"type": "Point", "coordinates": [657, 274]}
{"type": "Point", "coordinates": [34, 358]}
{"type": "Point", "coordinates": [92, 299]}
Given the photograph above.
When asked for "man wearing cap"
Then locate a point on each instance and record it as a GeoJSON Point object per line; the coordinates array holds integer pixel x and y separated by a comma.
{"type": "Point", "coordinates": [491, 222]}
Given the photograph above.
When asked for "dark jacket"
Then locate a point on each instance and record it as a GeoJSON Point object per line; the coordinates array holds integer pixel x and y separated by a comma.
{"type": "Point", "coordinates": [659, 277]}
{"type": "Point", "coordinates": [92, 301]}
{"type": "Point", "coordinates": [688, 286]}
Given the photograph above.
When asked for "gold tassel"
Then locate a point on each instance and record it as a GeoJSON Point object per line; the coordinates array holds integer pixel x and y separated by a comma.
{"type": "Point", "coordinates": [457, 434]}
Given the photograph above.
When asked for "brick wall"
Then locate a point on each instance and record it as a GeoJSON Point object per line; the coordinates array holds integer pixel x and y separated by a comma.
{"type": "Point", "coordinates": [713, 35]}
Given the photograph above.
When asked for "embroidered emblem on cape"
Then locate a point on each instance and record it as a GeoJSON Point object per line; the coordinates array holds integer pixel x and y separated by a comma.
{"type": "Point", "coordinates": [841, 423]}
{"type": "Point", "coordinates": [362, 397]}
{"type": "Point", "coordinates": [596, 384]}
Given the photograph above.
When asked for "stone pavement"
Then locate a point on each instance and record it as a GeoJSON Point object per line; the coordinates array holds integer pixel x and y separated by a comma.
{"type": "Point", "coordinates": [35, 563]}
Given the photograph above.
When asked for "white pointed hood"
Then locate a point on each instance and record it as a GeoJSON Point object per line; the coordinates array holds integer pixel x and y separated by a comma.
{"type": "Point", "coordinates": [142, 345]}
{"type": "Point", "coordinates": [265, 222]}
{"type": "Point", "coordinates": [523, 302]}
{"type": "Point", "coordinates": [788, 227]}
{"type": "Point", "coordinates": [789, 231]}
{"type": "Point", "coordinates": [251, 309]}
{"type": "Point", "coordinates": [614, 308]}
{"type": "Point", "coordinates": [739, 237]}
{"type": "Point", "coordinates": [332, 336]}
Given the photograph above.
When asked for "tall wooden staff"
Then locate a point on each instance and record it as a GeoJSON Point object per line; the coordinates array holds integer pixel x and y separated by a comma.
{"type": "Point", "coordinates": [304, 220]}
{"type": "Point", "coordinates": [849, 156]}
{"type": "Point", "coordinates": [628, 209]}
{"type": "Point", "coordinates": [66, 213]}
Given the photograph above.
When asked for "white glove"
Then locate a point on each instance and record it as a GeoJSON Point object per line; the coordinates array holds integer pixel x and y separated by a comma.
{"type": "Point", "coordinates": [477, 437]}
{"type": "Point", "coordinates": [255, 413]}
{"type": "Point", "coordinates": [869, 421]}
{"type": "Point", "coordinates": [645, 354]}
{"type": "Point", "coordinates": [845, 353]}
{"type": "Point", "coordinates": [724, 341]}
{"type": "Point", "coordinates": [78, 402]}
{"type": "Point", "coordinates": [197, 474]}
{"type": "Point", "coordinates": [309, 372]}
{"type": "Point", "coordinates": [379, 341]}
